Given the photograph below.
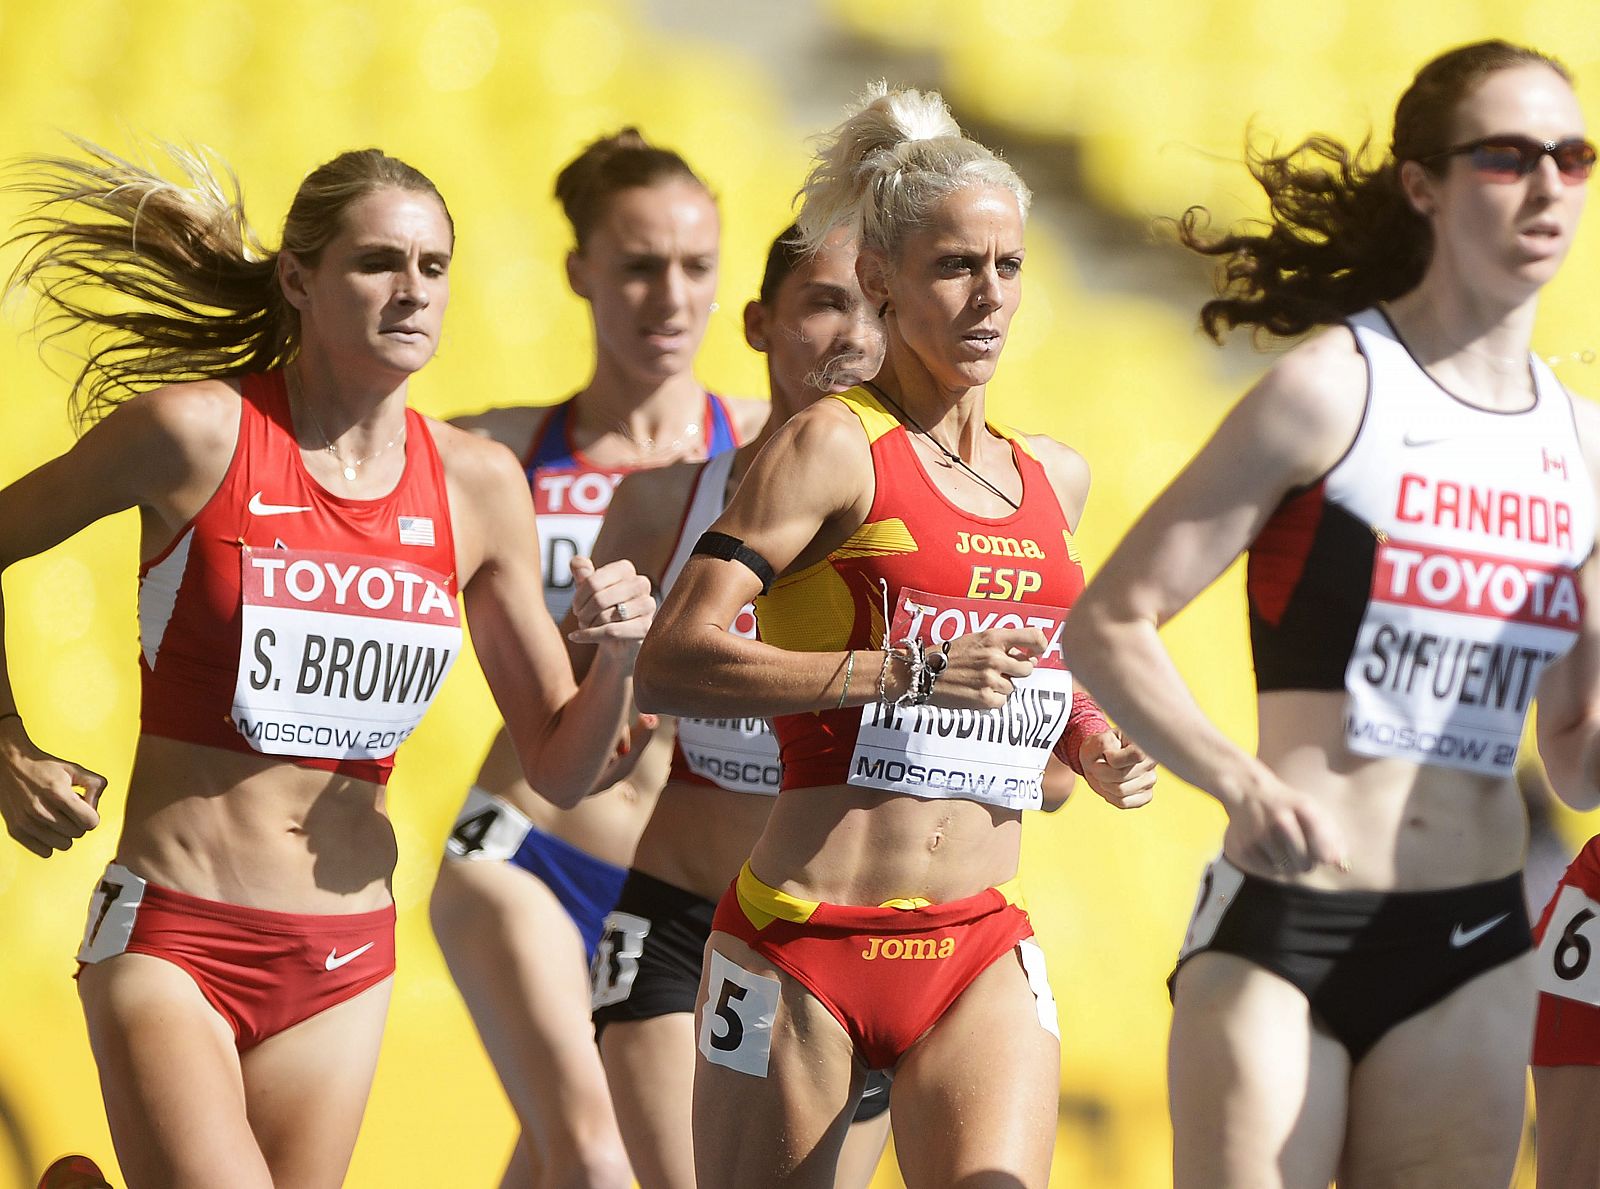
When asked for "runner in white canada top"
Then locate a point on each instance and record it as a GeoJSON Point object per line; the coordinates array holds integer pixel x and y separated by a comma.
{"type": "Point", "coordinates": [1416, 495]}
{"type": "Point", "coordinates": [1481, 521]}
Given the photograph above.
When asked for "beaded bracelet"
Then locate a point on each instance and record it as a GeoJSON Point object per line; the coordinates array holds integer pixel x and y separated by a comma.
{"type": "Point", "coordinates": [917, 667]}
{"type": "Point", "coordinates": [923, 670]}
{"type": "Point", "coordinates": [883, 676]}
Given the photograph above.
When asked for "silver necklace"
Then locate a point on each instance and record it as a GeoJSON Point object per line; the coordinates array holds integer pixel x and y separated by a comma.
{"type": "Point", "coordinates": [350, 467]}
{"type": "Point", "coordinates": [648, 445]}
{"type": "Point", "coordinates": [949, 454]}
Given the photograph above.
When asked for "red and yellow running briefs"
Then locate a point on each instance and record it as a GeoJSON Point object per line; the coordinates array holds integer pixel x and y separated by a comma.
{"type": "Point", "coordinates": [886, 973]}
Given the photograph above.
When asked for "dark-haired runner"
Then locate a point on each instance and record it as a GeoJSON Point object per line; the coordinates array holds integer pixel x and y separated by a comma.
{"type": "Point", "coordinates": [1415, 493]}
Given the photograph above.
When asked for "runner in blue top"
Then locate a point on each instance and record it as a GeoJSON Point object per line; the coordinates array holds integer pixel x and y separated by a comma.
{"type": "Point", "coordinates": [525, 886]}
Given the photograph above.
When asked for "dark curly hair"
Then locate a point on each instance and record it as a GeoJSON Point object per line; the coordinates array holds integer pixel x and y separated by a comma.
{"type": "Point", "coordinates": [1340, 235]}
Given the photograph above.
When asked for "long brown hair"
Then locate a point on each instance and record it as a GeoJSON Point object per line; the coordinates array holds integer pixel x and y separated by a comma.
{"type": "Point", "coordinates": [168, 277]}
{"type": "Point", "coordinates": [1340, 234]}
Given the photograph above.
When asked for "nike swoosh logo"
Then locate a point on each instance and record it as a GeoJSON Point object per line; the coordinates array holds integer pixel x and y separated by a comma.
{"type": "Point", "coordinates": [258, 508]}
{"type": "Point", "coordinates": [1410, 440]}
{"type": "Point", "coordinates": [336, 959]}
{"type": "Point", "coordinates": [1460, 937]}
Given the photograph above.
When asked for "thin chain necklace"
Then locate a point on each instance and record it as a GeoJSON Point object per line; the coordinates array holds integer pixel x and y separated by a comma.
{"type": "Point", "coordinates": [649, 445]}
{"type": "Point", "coordinates": [350, 467]}
{"type": "Point", "coordinates": [950, 454]}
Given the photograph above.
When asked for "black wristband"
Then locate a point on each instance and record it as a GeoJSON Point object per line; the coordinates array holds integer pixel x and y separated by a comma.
{"type": "Point", "coordinates": [726, 548]}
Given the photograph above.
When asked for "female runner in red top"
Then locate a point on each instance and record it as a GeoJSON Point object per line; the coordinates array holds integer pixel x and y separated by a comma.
{"type": "Point", "coordinates": [304, 537]}
{"type": "Point", "coordinates": [525, 878]}
{"type": "Point", "coordinates": [909, 657]}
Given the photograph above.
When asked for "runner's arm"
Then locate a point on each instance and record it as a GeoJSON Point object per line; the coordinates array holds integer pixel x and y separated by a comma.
{"type": "Point", "coordinates": [1287, 431]}
{"type": "Point", "coordinates": [164, 452]}
{"type": "Point", "coordinates": [807, 491]}
{"type": "Point", "coordinates": [1568, 711]}
{"type": "Point", "coordinates": [564, 733]}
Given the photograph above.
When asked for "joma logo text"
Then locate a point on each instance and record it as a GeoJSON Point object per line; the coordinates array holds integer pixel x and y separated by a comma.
{"type": "Point", "coordinates": [997, 546]}
{"type": "Point", "coordinates": [909, 947]}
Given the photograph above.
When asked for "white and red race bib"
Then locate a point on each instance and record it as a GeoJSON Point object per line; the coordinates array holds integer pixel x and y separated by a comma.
{"type": "Point", "coordinates": [996, 757]}
{"type": "Point", "coordinates": [738, 754]}
{"type": "Point", "coordinates": [1566, 966]}
{"type": "Point", "coordinates": [340, 654]}
{"type": "Point", "coordinates": [570, 505]}
{"type": "Point", "coordinates": [1450, 653]}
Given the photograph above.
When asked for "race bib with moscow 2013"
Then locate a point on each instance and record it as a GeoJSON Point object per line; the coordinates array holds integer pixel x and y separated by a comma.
{"type": "Point", "coordinates": [340, 654]}
{"type": "Point", "coordinates": [738, 754]}
{"type": "Point", "coordinates": [1451, 650]}
{"type": "Point", "coordinates": [997, 756]}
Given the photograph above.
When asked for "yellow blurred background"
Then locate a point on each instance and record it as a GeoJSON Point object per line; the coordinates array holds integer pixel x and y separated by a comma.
{"type": "Point", "coordinates": [1116, 113]}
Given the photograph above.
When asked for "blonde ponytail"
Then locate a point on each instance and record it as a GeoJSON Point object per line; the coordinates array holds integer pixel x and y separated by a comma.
{"type": "Point", "coordinates": [895, 156]}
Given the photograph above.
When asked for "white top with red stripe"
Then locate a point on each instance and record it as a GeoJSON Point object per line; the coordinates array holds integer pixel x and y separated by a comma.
{"type": "Point", "coordinates": [1482, 520]}
{"type": "Point", "coordinates": [737, 754]}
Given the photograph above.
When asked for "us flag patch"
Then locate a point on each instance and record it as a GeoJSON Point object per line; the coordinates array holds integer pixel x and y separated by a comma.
{"type": "Point", "coordinates": [416, 530]}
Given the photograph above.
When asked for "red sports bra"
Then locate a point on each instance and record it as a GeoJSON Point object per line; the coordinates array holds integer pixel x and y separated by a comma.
{"type": "Point", "coordinates": [288, 621]}
{"type": "Point", "coordinates": [943, 572]}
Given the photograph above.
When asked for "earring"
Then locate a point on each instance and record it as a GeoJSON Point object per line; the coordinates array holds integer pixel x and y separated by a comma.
{"type": "Point", "coordinates": [715, 306]}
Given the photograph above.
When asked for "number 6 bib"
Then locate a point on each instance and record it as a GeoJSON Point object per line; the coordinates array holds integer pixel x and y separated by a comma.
{"type": "Point", "coordinates": [1566, 955]}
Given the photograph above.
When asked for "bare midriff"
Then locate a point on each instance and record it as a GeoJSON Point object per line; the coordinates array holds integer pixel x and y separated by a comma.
{"type": "Point", "coordinates": [700, 835]}
{"type": "Point", "coordinates": [1405, 826]}
{"type": "Point", "coordinates": [256, 831]}
{"type": "Point", "coordinates": [848, 845]}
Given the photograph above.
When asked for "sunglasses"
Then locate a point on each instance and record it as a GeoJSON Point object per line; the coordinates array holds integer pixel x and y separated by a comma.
{"type": "Point", "coordinates": [1507, 158]}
